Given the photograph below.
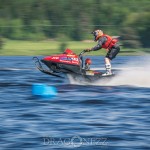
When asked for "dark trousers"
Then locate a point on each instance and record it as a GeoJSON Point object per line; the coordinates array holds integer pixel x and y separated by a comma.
{"type": "Point", "coordinates": [113, 52]}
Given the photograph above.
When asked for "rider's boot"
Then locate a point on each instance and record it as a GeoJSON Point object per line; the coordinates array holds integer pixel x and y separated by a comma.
{"type": "Point", "coordinates": [108, 70]}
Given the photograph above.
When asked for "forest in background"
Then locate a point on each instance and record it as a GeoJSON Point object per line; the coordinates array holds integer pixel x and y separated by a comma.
{"type": "Point", "coordinates": [73, 20]}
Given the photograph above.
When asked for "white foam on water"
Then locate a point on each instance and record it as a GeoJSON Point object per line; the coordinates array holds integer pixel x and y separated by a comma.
{"type": "Point", "coordinates": [136, 77]}
{"type": "Point", "coordinates": [138, 74]}
{"type": "Point", "coordinates": [135, 73]}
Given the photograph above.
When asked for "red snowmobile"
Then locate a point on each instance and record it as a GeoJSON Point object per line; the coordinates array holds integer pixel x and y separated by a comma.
{"type": "Point", "coordinates": [69, 63]}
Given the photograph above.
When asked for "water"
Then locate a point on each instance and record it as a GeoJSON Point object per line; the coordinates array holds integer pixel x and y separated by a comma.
{"type": "Point", "coordinates": [112, 115]}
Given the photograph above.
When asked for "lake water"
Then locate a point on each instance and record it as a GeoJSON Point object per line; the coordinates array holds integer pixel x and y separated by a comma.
{"type": "Point", "coordinates": [112, 115]}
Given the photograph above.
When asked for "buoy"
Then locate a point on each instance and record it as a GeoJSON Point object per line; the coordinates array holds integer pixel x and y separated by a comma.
{"type": "Point", "coordinates": [44, 90]}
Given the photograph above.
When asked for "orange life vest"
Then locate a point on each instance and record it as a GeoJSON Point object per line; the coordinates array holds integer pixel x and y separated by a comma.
{"type": "Point", "coordinates": [110, 42]}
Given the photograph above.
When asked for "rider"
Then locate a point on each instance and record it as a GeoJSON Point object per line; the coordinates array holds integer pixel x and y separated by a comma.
{"type": "Point", "coordinates": [110, 44]}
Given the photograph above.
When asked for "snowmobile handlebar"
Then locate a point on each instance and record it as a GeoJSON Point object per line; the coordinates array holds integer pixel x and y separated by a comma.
{"type": "Point", "coordinates": [81, 56]}
{"type": "Point", "coordinates": [84, 51]}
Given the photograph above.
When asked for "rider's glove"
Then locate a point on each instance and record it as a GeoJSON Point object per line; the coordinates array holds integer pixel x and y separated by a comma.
{"type": "Point", "coordinates": [88, 49]}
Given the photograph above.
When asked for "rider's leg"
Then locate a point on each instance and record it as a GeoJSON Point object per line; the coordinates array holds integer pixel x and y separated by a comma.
{"type": "Point", "coordinates": [109, 56]}
{"type": "Point", "coordinates": [108, 66]}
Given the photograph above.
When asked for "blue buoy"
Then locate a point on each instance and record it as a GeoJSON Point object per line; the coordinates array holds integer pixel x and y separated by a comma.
{"type": "Point", "coordinates": [44, 90]}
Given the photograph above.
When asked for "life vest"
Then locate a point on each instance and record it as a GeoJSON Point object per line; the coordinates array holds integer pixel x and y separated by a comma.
{"type": "Point", "coordinates": [110, 42]}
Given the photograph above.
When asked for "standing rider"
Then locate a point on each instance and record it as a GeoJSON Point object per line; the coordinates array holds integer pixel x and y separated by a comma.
{"type": "Point", "coordinates": [110, 44]}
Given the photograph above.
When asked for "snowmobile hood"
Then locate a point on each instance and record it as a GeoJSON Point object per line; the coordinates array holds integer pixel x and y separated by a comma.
{"type": "Point", "coordinates": [63, 58]}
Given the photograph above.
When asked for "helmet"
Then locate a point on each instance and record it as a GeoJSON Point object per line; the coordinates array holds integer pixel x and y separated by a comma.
{"type": "Point", "coordinates": [97, 34]}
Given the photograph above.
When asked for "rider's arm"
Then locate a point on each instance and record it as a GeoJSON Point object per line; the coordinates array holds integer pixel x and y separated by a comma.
{"type": "Point", "coordinates": [101, 41]}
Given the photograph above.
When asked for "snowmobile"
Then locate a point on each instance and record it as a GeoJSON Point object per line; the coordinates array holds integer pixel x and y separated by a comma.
{"type": "Point", "coordinates": [71, 64]}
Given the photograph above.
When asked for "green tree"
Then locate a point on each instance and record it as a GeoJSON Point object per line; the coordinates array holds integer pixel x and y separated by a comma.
{"type": "Point", "coordinates": [140, 22]}
{"type": "Point", "coordinates": [74, 19]}
{"type": "Point", "coordinates": [130, 38]}
{"type": "Point", "coordinates": [1, 42]}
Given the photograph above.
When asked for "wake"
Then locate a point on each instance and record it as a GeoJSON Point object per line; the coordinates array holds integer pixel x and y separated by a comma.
{"type": "Point", "coordinates": [135, 77]}
{"type": "Point", "coordinates": [138, 74]}
{"type": "Point", "coordinates": [129, 74]}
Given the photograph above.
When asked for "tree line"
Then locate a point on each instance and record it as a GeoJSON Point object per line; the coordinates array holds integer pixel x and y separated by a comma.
{"type": "Point", "coordinates": [75, 19]}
